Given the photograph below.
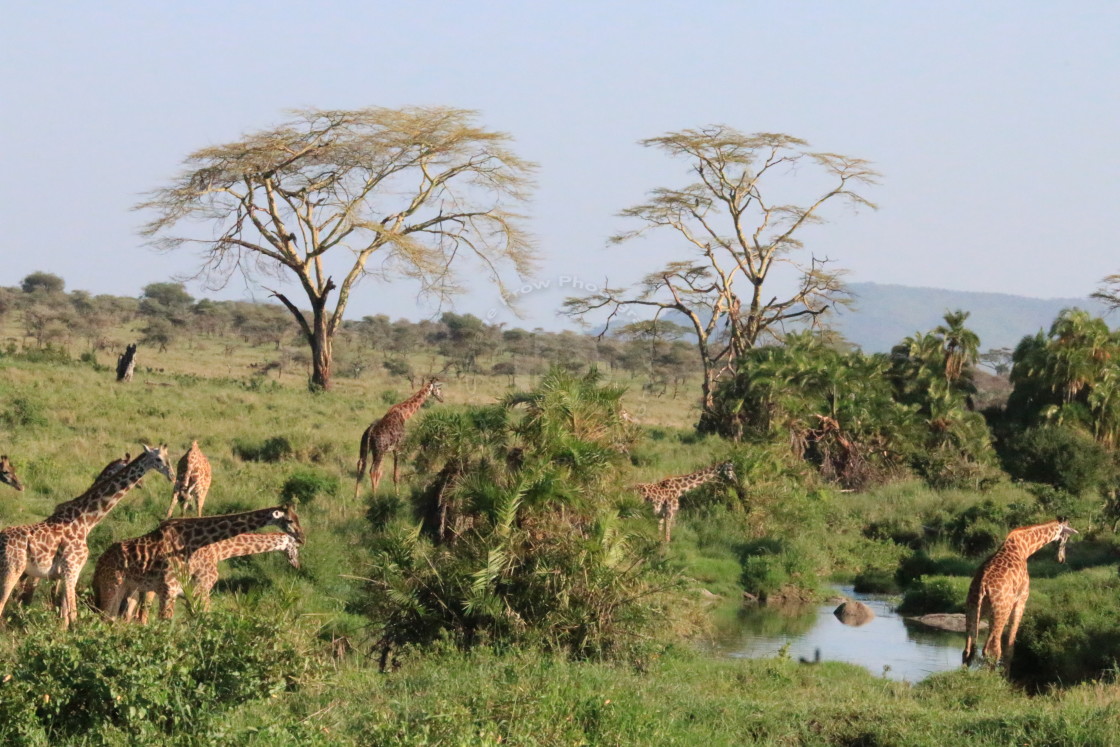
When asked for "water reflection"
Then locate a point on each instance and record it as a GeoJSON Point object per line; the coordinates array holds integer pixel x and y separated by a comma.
{"type": "Point", "coordinates": [887, 645]}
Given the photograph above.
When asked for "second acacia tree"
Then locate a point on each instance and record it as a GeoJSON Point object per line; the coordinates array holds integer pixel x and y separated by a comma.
{"type": "Point", "coordinates": [746, 273]}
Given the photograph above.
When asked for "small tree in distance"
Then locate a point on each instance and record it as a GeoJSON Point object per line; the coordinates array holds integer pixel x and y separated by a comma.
{"type": "Point", "coordinates": [742, 237]}
{"type": "Point", "coordinates": [318, 198]}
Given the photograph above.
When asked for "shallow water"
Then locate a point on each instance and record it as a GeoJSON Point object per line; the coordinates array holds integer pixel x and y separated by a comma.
{"type": "Point", "coordinates": [887, 645]}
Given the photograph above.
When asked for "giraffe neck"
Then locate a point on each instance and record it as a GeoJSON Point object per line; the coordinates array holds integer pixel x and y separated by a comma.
{"type": "Point", "coordinates": [250, 543]}
{"type": "Point", "coordinates": [1026, 541]}
{"type": "Point", "coordinates": [91, 507]}
{"type": "Point", "coordinates": [685, 483]}
{"type": "Point", "coordinates": [192, 534]}
{"type": "Point", "coordinates": [409, 407]}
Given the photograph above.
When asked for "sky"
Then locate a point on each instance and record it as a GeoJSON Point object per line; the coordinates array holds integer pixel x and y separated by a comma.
{"type": "Point", "coordinates": [993, 124]}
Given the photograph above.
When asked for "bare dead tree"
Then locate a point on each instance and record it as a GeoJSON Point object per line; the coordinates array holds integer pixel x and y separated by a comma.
{"type": "Point", "coordinates": [126, 363]}
{"type": "Point", "coordinates": [328, 194]}
{"type": "Point", "coordinates": [744, 239]}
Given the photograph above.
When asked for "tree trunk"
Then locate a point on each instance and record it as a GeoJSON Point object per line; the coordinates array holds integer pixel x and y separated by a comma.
{"type": "Point", "coordinates": [126, 363]}
{"type": "Point", "coordinates": [321, 350]}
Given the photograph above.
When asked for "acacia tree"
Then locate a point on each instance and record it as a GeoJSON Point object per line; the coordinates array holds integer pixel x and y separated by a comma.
{"type": "Point", "coordinates": [742, 236]}
{"type": "Point", "coordinates": [388, 192]}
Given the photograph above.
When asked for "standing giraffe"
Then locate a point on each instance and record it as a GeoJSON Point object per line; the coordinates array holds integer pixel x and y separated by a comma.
{"type": "Point", "coordinates": [203, 565]}
{"type": "Point", "coordinates": [665, 496]}
{"type": "Point", "coordinates": [192, 481]}
{"type": "Point", "coordinates": [1001, 586]}
{"type": "Point", "coordinates": [8, 474]}
{"type": "Point", "coordinates": [56, 547]}
{"type": "Point", "coordinates": [159, 559]}
{"type": "Point", "coordinates": [386, 434]}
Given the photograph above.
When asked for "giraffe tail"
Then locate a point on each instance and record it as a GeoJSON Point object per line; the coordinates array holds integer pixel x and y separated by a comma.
{"type": "Point", "coordinates": [971, 628]}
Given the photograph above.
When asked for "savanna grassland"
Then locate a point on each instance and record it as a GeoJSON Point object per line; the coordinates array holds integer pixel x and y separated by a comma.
{"type": "Point", "coordinates": [553, 615]}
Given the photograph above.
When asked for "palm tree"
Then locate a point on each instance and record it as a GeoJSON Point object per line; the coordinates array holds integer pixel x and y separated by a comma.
{"type": "Point", "coordinates": [961, 345]}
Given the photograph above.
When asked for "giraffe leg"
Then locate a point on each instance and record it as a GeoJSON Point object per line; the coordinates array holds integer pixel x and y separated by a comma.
{"type": "Point", "coordinates": [375, 472]}
{"type": "Point", "coordinates": [74, 558]}
{"type": "Point", "coordinates": [1013, 630]}
{"type": "Point", "coordinates": [8, 581]}
{"type": "Point", "coordinates": [972, 617]}
{"type": "Point", "coordinates": [363, 456]}
{"type": "Point", "coordinates": [147, 600]}
{"type": "Point", "coordinates": [171, 508]}
{"type": "Point", "coordinates": [396, 474]}
{"type": "Point", "coordinates": [27, 592]}
{"type": "Point", "coordinates": [993, 648]}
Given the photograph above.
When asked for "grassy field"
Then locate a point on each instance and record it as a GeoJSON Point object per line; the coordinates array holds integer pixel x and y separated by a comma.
{"type": "Point", "coordinates": [316, 679]}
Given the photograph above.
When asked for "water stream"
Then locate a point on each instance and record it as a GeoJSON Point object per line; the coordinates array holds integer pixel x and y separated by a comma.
{"type": "Point", "coordinates": [887, 645]}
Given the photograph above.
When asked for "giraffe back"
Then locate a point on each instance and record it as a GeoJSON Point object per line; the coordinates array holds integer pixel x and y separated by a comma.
{"type": "Point", "coordinates": [193, 482]}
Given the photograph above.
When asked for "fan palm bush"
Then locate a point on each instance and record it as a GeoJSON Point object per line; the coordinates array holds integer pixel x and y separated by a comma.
{"type": "Point", "coordinates": [518, 533]}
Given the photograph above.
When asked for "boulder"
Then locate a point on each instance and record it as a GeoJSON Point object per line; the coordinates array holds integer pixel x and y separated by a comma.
{"type": "Point", "coordinates": [851, 612]}
{"type": "Point", "coordinates": [953, 622]}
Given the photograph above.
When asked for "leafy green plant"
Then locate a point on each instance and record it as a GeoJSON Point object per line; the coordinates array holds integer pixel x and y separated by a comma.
{"type": "Point", "coordinates": [304, 485]}
{"type": "Point", "coordinates": [271, 449]}
{"type": "Point", "coordinates": [147, 681]}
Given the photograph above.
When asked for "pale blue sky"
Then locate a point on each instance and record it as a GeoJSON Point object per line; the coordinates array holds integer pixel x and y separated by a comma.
{"type": "Point", "coordinates": [995, 124]}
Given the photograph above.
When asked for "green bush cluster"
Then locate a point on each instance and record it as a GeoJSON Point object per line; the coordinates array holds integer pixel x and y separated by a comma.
{"type": "Point", "coordinates": [304, 485]}
{"type": "Point", "coordinates": [146, 681]}
{"type": "Point", "coordinates": [271, 449]}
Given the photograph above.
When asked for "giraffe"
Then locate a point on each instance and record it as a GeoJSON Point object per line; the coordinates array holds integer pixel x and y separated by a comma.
{"type": "Point", "coordinates": [385, 435]}
{"type": "Point", "coordinates": [203, 564]}
{"type": "Point", "coordinates": [665, 496]}
{"type": "Point", "coordinates": [156, 561]}
{"type": "Point", "coordinates": [8, 474]}
{"type": "Point", "coordinates": [56, 547]}
{"type": "Point", "coordinates": [192, 481]}
{"type": "Point", "coordinates": [1001, 586]}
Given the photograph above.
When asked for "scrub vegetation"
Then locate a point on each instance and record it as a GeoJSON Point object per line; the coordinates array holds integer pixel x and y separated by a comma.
{"type": "Point", "coordinates": [511, 588]}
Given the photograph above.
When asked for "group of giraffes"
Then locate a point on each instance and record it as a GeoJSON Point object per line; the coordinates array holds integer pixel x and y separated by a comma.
{"type": "Point", "coordinates": [129, 573]}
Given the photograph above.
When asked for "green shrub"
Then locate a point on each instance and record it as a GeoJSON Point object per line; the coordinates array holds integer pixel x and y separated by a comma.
{"type": "Point", "coordinates": [303, 485]}
{"type": "Point", "coordinates": [273, 449]}
{"type": "Point", "coordinates": [920, 564]}
{"type": "Point", "coordinates": [24, 412]}
{"type": "Point", "coordinates": [936, 594]}
{"type": "Point", "coordinates": [876, 581]}
{"type": "Point", "coordinates": [777, 566]}
{"type": "Point", "coordinates": [1068, 459]}
{"type": "Point", "coordinates": [147, 681]}
{"type": "Point", "coordinates": [1068, 635]}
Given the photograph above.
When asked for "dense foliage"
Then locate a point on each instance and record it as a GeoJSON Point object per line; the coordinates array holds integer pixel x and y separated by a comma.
{"type": "Point", "coordinates": [520, 535]}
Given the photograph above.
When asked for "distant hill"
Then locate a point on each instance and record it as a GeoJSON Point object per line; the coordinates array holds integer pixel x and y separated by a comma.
{"type": "Point", "coordinates": [885, 314]}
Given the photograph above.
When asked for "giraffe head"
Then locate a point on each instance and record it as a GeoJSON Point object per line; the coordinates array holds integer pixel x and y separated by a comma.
{"type": "Point", "coordinates": [726, 470]}
{"type": "Point", "coordinates": [155, 457]}
{"type": "Point", "coordinates": [8, 475]}
{"type": "Point", "coordinates": [287, 520]}
{"type": "Point", "coordinates": [1062, 534]}
{"type": "Point", "coordinates": [435, 388]}
{"type": "Point", "coordinates": [291, 548]}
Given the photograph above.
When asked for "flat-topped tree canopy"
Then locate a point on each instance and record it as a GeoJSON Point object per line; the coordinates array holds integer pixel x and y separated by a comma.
{"type": "Point", "coordinates": [418, 191]}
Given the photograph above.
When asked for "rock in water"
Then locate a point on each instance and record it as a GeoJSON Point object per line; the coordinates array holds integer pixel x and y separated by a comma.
{"type": "Point", "coordinates": [852, 612]}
